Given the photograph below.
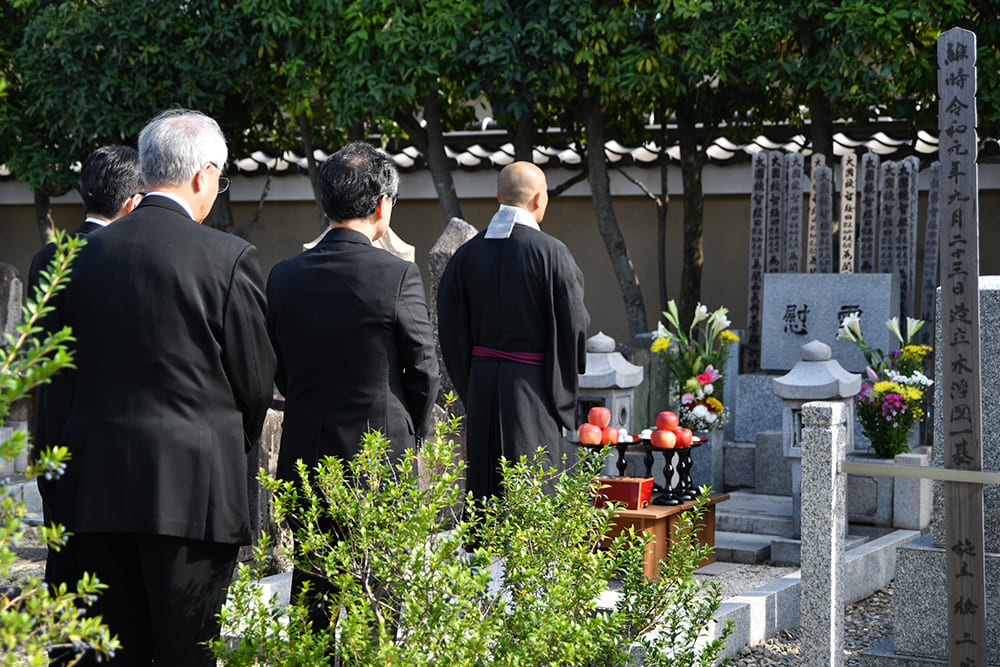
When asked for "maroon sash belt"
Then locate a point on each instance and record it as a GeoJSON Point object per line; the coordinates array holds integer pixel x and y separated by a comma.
{"type": "Point", "coordinates": [530, 358]}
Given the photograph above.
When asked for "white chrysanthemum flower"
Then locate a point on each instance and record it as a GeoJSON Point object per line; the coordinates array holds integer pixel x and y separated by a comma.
{"type": "Point", "coordinates": [711, 417]}
{"type": "Point", "coordinates": [701, 412]}
{"type": "Point", "coordinates": [709, 389]}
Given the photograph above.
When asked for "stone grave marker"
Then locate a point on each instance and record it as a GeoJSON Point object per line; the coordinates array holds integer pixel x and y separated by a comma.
{"type": "Point", "coordinates": [848, 211]}
{"type": "Point", "coordinates": [800, 307]}
{"type": "Point", "coordinates": [794, 168]}
{"type": "Point", "coordinates": [774, 262]}
{"type": "Point", "coordinates": [888, 194]}
{"type": "Point", "coordinates": [930, 277]}
{"type": "Point", "coordinates": [455, 233]}
{"type": "Point", "coordinates": [11, 301]}
{"type": "Point", "coordinates": [824, 219]}
{"type": "Point", "coordinates": [868, 206]}
{"type": "Point", "coordinates": [817, 161]}
{"type": "Point", "coordinates": [755, 281]}
{"type": "Point", "coordinates": [906, 232]}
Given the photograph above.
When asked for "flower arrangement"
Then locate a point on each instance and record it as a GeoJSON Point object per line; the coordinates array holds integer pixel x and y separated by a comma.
{"type": "Point", "coordinates": [891, 400]}
{"type": "Point", "coordinates": [696, 362]}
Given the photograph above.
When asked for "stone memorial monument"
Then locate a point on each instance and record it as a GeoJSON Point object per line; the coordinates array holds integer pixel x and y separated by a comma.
{"type": "Point", "coordinates": [799, 307]}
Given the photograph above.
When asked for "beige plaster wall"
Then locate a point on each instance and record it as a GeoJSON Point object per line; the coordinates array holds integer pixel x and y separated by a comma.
{"type": "Point", "coordinates": [284, 226]}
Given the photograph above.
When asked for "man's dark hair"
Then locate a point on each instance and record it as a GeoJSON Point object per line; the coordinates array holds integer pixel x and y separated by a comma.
{"type": "Point", "coordinates": [353, 180]}
{"type": "Point", "coordinates": [110, 175]}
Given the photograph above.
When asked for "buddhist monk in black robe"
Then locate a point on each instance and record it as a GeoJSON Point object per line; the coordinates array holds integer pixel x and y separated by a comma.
{"type": "Point", "coordinates": [513, 329]}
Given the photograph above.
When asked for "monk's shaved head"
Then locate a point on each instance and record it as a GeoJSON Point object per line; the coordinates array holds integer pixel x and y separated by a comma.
{"type": "Point", "coordinates": [519, 183]}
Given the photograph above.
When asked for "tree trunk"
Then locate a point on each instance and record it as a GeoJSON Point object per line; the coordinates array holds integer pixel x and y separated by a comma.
{"type": "Point", "coordinates": [662, 208]}
{"type": "Point", "coordinates": [607, 223]}
{"type": "Point", "coordinates": [692, 161]}
{"type": "Point", "coordinates": [524, 138]}
{"type": "Point", "coordinates": [430, 141]}
{"type": "Point", "coordinates": [821, 127]}
{"type": "Point", "coordinates": [43, 215]}
{"type": "Point", "coordinates": [305, 128]}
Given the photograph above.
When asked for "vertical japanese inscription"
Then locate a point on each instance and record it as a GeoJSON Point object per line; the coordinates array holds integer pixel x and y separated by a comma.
{"type": "Point", "coordinates": [812, 261]}
{"type": "Point", "coordinates": [794, 168]}
{"type": "Point", "coordinates": [868, 228]}
{"type": "Point", "coordinates": [774, 262]}
{"type": "Point", "coordinates": [960, 382]}
{"type": "Point", "coordinates": [755, 282]}
{"type": "Point", "coordinates": [848, 210]}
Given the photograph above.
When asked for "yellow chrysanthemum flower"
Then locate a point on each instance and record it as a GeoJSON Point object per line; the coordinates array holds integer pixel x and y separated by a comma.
{"type": "Point", "coordinates": [728, 336]}
{"type": "Point", "coordinates": [660, 344]}
{"type": "Point", "coordinates": [886, 387]}
{"type": "Point", "coordinates": [713, 404]}
{"type": "Point", "coordinates": [913, 394]}
{"type": "Point", "coordinates": [915, 353]}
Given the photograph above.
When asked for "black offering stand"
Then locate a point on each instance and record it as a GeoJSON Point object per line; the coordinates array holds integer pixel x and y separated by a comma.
{"type": "Point", "coordinates": [684, 490]}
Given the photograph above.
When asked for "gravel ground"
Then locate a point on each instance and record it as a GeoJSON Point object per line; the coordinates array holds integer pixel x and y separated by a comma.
{"type": "Point", "coordinates": [867, 622]}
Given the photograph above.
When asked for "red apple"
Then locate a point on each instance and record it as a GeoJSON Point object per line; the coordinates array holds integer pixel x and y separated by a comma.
{"type": "Point", "coordinates": [589, 434]}
{"type": "Point", "coordinates": [666, 421]}
{"type": "Point", "coordinates": [599, 416]}
{"type": "Point", "coordinates": [663, 439]}
{"type": "Point", "coordinates": [609, 435]}
{"type": "Point", "coordinates": [684, 436]}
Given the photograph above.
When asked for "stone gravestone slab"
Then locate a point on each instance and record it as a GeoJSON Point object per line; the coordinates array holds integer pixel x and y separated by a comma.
{"type": "Point", "coordinates": [848, 211]}
{"type": "Point", "coordinates": [793, 212]}
{"type": "Point", "coordinates": [800, 307]}
{"type": "Point", "coordinates": [888, 194]}
{"type": "Point", "coordinates": [817, 161]}
{"type": "Point", "coordinates": [755, 281]}
{"type": "Point", "coordinates": [824, 219]}
{"type": "Point", "coordinates": [456, 233]}
{"type": "Point", "coordinates": [930, 277]}
{"type": "Point", "coordinates": [11, 301]}
{"type": "Point", "coordinates": [774, 260]}
{"type": "Point", "coordinates": [906, 233]}
{"type": "Point", "coordinates": [868, 208]}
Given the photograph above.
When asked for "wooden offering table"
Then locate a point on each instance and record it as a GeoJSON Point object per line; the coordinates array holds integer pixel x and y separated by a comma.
{"type": "Point", "coordinates": [660, 522]}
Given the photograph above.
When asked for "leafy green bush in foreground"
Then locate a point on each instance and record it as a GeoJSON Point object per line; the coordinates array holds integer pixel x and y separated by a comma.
{"type": "Point", "coordinates": [410, 593]}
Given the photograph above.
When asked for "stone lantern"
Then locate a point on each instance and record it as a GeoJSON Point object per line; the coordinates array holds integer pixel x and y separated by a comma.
{"type": "Point", "coordinates": [817, 377]}
{"type": "Point", "coordinates": [610, 381]}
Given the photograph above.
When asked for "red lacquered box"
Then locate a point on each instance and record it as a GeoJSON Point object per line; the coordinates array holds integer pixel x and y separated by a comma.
{"type": "Point", "coordinates": [633, 492]}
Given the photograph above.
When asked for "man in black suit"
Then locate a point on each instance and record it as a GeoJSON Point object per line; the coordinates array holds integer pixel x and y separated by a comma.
{"type": "Point", "coordinates": [174, 378]}
{"type": "Point", "coordinates": [350, 325]}
{"type": "Point", "coordinates": [111, 187]}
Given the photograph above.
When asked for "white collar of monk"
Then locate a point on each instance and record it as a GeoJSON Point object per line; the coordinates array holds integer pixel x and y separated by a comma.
{"type": "Point", "coordinates": [504, 220]}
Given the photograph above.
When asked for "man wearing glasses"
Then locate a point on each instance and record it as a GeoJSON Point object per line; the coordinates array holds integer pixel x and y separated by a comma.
{"type": "Point", "coordinates": [174, 377]}
{"type": "Point", "coordinates": [350, 326]}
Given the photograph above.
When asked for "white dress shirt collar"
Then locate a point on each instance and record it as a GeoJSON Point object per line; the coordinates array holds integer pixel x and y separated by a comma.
{"type": "Point", "coordinates": [504, 220]}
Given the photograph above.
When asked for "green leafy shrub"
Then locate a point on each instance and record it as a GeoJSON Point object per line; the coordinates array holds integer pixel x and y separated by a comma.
{"type": "Point", "coordinates": [33, 618]}
{"type": "Point", "coordinates": [411, 589]}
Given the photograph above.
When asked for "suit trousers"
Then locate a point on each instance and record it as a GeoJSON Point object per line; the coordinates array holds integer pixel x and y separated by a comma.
{"type": "Point", "coordinates": [163, 594]}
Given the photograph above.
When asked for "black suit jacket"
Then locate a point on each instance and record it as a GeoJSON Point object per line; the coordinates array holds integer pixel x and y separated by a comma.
{"type": "Point", "coordinates": [173, 383]}
{"type": "Point", "coordinates": [51, 400]}
{"type": "Point", "coordinates": [351, 329]}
